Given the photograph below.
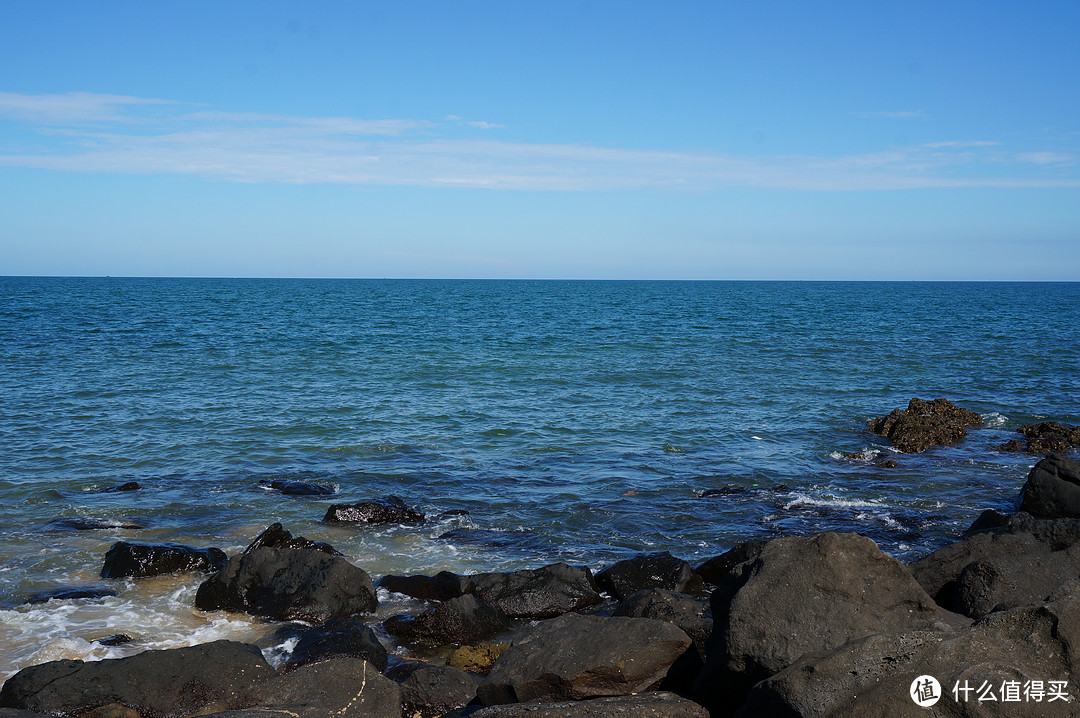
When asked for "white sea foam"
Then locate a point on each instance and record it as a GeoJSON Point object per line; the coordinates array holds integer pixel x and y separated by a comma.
{"type": "Point", "coordinates": [154, 618]}
{"type": "Point", "coordinates": [805, 500]}
{"type": "Point", "coordinates": [995, 420]}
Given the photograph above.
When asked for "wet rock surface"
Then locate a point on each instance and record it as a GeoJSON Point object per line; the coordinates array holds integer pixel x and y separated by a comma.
{"type": "Point", "coordinates": [387, 510]}
{"type": "Point", "coordinates": [924, 424]}
{"type": "Point", "coordinates": [335, 638]}
{"type": "Point", "coordinates": [1044, 438]}
{"type": "Point", "coordinates": [294, 487]}
{"type": "Point", "coordinates": [142, 559]}
{"type": "Point", "coordinates": [72, 593]}
{"type": "Point", "coordinates": [275, 536]}
{"type": "Point", "coordinates": [289, 584]}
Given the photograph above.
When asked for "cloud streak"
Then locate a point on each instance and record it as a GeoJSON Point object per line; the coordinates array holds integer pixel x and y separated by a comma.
{"type": "Point", "coordinates": [126, 135]}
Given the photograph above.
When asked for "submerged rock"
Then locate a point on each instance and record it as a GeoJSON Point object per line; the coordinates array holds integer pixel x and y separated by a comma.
{"type": "Point", "coordinates": [289, 584]}
{"type": "Point", "coordinates": [387, 510]}
{"type": "Point", "coordinates": [142, 559]}
{"type": "Point", "coordinates": [293, 487]}
{"type": "Point", "coordinates": [70, 594]}
{"type": "Point", "coordinates": [924, 424]}
{"type": "Point", "coordinates": [94, 523]}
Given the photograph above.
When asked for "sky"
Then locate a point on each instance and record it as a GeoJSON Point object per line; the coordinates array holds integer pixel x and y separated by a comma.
{"type": "Point", "coordinates": [593, 140]}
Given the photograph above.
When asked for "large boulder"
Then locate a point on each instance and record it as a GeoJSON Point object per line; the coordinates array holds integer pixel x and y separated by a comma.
{"type": "Point", "coordinates": [335, 638]}
{"type": "Point", "coordinates": [143, 559]}
{"type": "Point", "coordinates": [1052, 490]}
{"type": "Point", "coordinates": [385, 510]}
{"type": "Point", "coordinates": [174, 682]}
{"type": "Point", "coordinates": [870, 676]}
{"type": "Point", "coordinates": [802, 595]}
{"type": "Point", "coordinates": [462, 620]}
{"type": "Point", "coordinates": [344, 687]}
{"type": "Point", "coordinates": [924, 424]}
{"type": "Point", "coordinates": [576, 657]}
{"type": "Point", "coordinates": [432, 691]}
{"type": "Point", "coordinates": [289, 584]}
{"type": "Point", "coordinates": [652, 570]}
{"type": "Point", "coordinates": [653, 704]}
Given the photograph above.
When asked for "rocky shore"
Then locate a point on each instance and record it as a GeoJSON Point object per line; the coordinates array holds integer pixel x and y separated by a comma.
{"type": "Point", "coordinates": [824, 625]}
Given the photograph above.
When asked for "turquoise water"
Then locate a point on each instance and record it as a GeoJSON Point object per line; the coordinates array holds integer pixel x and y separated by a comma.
{"type": "Point", "coordinates": [578, 421]}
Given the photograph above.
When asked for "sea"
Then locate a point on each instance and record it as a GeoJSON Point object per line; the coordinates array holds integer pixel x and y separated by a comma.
{"type": "Point", "coordinates": [531, 421]}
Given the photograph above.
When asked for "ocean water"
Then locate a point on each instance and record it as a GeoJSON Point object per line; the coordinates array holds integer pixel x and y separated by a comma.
{"type": "Point", "coordinates": [575, 421]}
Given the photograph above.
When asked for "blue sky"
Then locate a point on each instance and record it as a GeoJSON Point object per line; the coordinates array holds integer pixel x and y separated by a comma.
{"type": "Point", "coordinates": [772, 140]}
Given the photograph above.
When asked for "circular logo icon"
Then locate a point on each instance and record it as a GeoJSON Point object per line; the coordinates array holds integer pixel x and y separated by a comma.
{"type": "Point", "coordinates": [925, 691]}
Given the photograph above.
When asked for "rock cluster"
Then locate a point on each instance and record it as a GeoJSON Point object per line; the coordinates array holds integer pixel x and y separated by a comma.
{"type": "Point", "coordinates": [924, 424]}
{"type": "Point", "coordinates": [819, 626]}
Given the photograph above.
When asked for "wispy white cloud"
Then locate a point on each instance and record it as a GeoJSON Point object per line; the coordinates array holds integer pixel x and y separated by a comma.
{"type": "Point", "coordinates": [73, 107]}
{"type": "Point", "coordinates": [245, 147]}
{"type": "Point", "coordinates": [480, 124]}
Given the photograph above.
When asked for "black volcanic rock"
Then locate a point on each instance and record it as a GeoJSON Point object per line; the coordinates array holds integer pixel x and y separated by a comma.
{"type": "Point", "coordinates": [293, 487]}
{"type": "Point", "coordinates": [70, 594]}
{"type": "Point", "coordinates": [653, 570]}
{"type": "Point", "coordinates": [387, 510]}
{"type": "Point", "coordinates": [529, 593]}
{"type": "Point", "coordinates": [577, 657]}
{"type": "Point", "coordinates": [275, 536]}
{"type": "Point", "coordinates": [801, 595]}
{"type": "Point", "coordinates": [289, 584]}
{"type": "Point", "coordinates": [924, 424]}
{"type": "Point", "coordinates": [1052, 490]}
{"type": "Point", "coordinates": [142, 559]}
{"type": "Point", "coordinates": [337, 637]}
{"type": "Point", "coordinates": [462, 620]}
{"type": "Point", "coordinates": [174, 682]}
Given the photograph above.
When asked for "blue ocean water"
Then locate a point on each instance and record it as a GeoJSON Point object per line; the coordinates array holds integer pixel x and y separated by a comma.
{"type": "Point", "coordinates": [573, 420]}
